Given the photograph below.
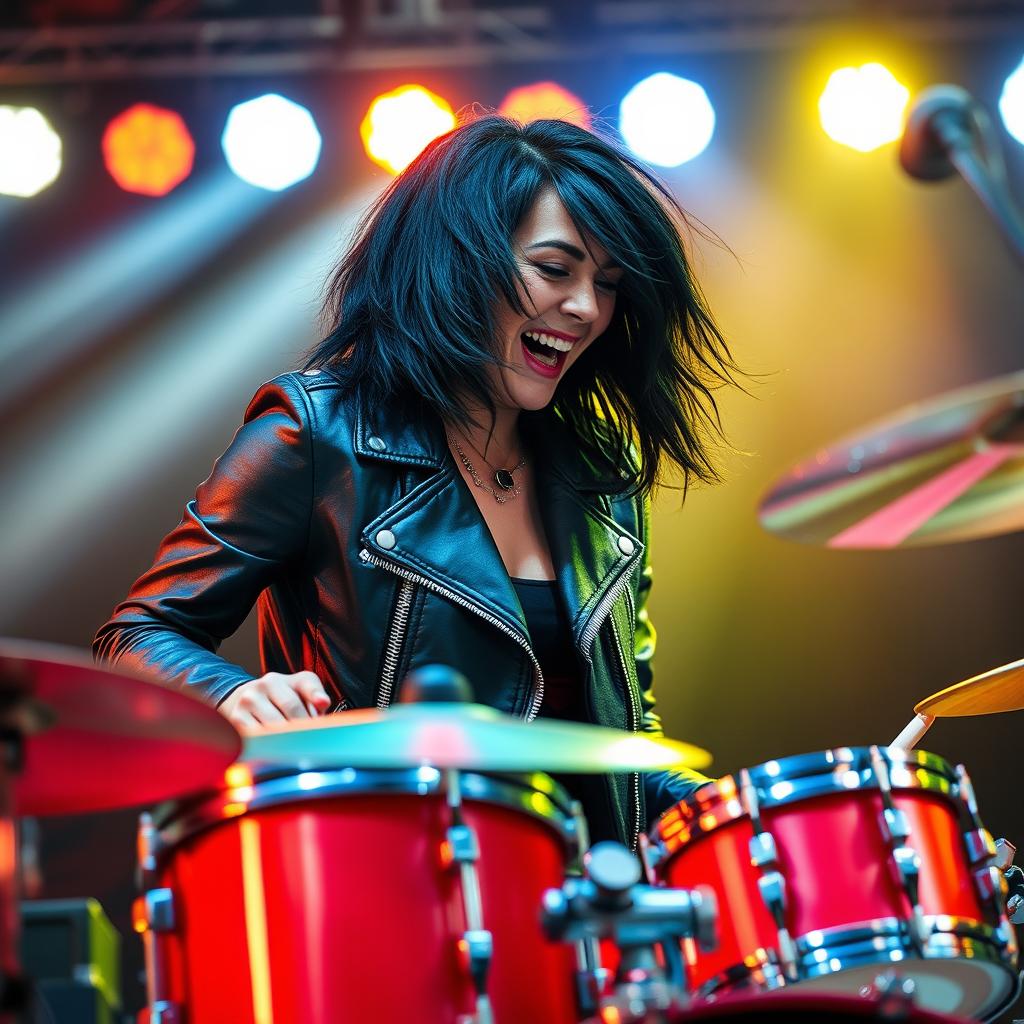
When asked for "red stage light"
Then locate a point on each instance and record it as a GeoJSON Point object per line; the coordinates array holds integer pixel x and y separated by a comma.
{"type": "Point", "coordinates": [148, 150]}
{"type": "Point", "coordinates": [545, 100]}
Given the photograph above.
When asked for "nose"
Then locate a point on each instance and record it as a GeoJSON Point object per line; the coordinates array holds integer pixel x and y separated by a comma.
{"type": "Point", "coordinates": [581, 302]}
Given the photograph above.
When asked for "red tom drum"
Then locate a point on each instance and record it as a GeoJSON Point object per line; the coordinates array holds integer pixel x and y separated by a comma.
{"type": "Point", "coordinates": [832, 867]}
{"type": "Point", "coordinates": [341, 895]}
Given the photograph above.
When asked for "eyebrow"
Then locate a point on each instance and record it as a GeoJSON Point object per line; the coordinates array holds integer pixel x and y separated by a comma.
{"type": "Point", "coordinates": [570, 250]}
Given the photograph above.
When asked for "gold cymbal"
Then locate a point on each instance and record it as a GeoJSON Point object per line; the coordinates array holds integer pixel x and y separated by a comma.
{"type": "Point", "coordinates": [948, 469]}
{"type": "Point", "coordinates": [1000, 689]}
{"type": "Point", "coordinates": [464, 736]}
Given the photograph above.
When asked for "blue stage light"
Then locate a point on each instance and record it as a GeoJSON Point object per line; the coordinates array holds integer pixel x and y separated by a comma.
{"type": "Point", "coordinates": [666, 120]}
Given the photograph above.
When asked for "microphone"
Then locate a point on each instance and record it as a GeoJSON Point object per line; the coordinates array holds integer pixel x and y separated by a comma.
{"type": "Point", "coordinates": [943, 119]}
{"type": "Point", "coordinates": [948, 132]}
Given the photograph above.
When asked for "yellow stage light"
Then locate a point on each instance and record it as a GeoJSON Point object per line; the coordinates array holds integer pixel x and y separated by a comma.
{"type": "Point", "coordinates": [148, 150]}
{"type": "Point", "coordinates": [863, 107]}
{"type": "Point", "coordinates": [545, 100]}
{"type": "Point", "coordinates": [399, 124]}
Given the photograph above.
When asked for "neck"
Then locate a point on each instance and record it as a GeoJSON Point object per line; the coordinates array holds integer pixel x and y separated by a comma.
{"type": "Point", "coordinates": [500, 444]}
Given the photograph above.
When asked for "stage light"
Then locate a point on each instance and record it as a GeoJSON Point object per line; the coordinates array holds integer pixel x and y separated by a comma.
{"type": "Point", "coordinates": [399, 124]}
{"type": "Point", "coordinates": [863, 107]}
{"type": "Point", "coordinates": [30, 152]}
{"type": "Point", "coordinates": [148, 150]}
{"type": "Point", "coordinates": [1011, 103]}
{"type": "Point", "coordinates": [545, 100]}
{"type": "Point", "coordinates": [271, 142]}
{"type": "Point", "coordinates": [666, 120]}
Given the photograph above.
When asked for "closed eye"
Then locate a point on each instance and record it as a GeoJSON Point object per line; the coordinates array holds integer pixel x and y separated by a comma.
{"type": "Point", "coordinates": [553, 271]}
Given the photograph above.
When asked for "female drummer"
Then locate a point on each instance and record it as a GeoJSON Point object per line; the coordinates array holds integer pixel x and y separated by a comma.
{"type": "Point", "coordinates": [460, 474]}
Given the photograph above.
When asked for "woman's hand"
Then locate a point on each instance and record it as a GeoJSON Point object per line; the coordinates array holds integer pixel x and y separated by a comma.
{"type": "Point", "coordinates": [275, 698]}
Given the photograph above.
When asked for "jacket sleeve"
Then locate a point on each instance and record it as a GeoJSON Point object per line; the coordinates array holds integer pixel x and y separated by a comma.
{"type": "Point", "coordinates": [248, 520]}
{"type": "Point", "coordinates": [665, 788]}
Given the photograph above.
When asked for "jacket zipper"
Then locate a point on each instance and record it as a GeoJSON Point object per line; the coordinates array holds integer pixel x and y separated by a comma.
{"type": "Point", "coordinates": [396, 638]}
{"type": "Point", "coordinates": [587, 638]}
{"type": "Point", "coordinates": [634, 724]}
{"type": "Point", "coordinates": [410, 577]}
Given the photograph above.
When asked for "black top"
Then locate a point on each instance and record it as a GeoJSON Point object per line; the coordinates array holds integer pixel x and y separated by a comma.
{"type": "Point", "coordinates": [551, 640]}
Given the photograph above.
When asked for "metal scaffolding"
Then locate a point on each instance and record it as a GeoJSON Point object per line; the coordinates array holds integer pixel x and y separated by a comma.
{"type": "Point", "coordinates": [173, 38]}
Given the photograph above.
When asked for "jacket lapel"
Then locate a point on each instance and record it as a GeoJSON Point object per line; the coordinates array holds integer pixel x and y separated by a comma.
{"type": "Point", "coordinates": [435, 530]}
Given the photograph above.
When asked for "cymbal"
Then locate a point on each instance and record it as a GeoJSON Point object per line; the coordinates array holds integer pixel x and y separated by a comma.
{"type": "Point", "coordinates": [98, 738]}
{"type": "Point", "coordinates": [466, 736]}
{"type": "Point", "coordinates": [1000, 689]}
{"type": "Point", "coordinates": [948, 469]}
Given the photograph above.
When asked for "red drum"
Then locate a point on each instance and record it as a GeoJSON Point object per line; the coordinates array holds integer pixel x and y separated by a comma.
{"type": "Point", "coordinates": [831, 867]}
{"type": "Point", "coordinates": [322, 897]}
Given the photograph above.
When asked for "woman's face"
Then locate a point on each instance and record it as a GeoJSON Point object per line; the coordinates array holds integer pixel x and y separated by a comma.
{"type": "Point", "coordinates": [570, 299]}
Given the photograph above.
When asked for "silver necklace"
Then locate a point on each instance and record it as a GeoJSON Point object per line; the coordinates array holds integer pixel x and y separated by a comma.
{"type": "Point", "coordinates": [502, 477]}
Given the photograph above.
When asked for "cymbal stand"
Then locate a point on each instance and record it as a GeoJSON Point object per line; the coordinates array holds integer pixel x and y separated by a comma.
{"type": "Point", "coordinates": [610, 902]}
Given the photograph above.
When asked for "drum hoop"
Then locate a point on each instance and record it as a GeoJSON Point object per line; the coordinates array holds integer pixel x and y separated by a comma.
{"type": "Point", "coordinates": [536, 795]}
{"type": "Point", "coordinates": [799, 778]}
{"type": "Point", "coordinates": [870, 943]}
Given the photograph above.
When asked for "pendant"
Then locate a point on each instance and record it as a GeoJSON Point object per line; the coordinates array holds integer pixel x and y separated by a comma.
{"type": "Point", "coordinates": [503, 478]}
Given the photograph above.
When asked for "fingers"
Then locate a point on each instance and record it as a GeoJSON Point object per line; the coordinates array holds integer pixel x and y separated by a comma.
{"type": "Point", "coordinates": [276, 698]}
{"type": "Point", "coordinates": [312, 691]}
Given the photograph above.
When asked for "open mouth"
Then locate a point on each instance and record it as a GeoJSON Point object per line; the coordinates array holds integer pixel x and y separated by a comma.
{"type": "Point", "coordinates": [544, 353]}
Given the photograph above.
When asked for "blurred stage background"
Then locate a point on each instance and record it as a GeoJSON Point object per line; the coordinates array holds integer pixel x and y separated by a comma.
{"type": "Point", "coordinates": [134, 329]}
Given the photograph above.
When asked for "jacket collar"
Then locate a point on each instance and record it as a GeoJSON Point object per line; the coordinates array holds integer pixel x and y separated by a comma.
{"type": "Point", "coordinates": [589, 549]}
{"type": "Point", "coordinates": [387, 436]}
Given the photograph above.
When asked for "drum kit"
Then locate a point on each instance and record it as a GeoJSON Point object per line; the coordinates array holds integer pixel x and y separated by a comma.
{"type": "Point", "coordinates": [417, 864]}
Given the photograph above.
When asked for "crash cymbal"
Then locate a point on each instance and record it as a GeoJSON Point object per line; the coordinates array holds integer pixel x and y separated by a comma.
{"type": "Point", "coordinates": [1001, 689]}
{"type": "Point", "coordinates": [99, 738]}
{"type": "Point", "coordinates": [944, 470]}
{"type": "Point", "coordinates": [469, 736]}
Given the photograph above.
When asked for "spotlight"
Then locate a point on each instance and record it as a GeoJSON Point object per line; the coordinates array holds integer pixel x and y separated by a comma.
{"type": "Point", "coordinates": [148, 150]}
{"type": "Point", "coordinates": [30, 152]}
{"type": "Point", "coordinates": [545, 100]}
{"type": "Point", "coordinates": [399, 124]}
{"type": "Point", "coordinates": [1011, 103]}
{"type": "Point", "coordinates": [666, 120]}
{"type": "Point", "coordinates": [271, 142]}
{"type": "Point", "coordinates": [863, 107]}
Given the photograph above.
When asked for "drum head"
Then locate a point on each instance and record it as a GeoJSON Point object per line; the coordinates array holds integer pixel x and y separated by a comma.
{"type": "Point", "coordinates": [782, 1007]}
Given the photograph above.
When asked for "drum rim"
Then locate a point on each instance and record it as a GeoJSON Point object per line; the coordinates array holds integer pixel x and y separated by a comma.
{"type": "Point", "coordinates": [267, 787]}
{"type": "Point", "coordinates": [797, 778]}
{"type": "Point", "coordinates": [881, 938]}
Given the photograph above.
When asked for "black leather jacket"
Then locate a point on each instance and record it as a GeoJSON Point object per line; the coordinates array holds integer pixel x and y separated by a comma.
{"type": "Point", "coordinates": [367, 557]}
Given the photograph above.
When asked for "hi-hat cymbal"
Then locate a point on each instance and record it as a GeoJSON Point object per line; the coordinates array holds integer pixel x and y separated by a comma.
{"type": "Point", "coordinates": [99, 738]}
{"type": "Point", "coordinates": [945, 470]}
{"type": "Point", "coordinates": [1000, 689]}
{"type": "Point", "coordinates": [466, 736]}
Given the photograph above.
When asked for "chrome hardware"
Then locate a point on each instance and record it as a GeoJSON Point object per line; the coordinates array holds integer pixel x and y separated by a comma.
{"type": "Point", "coordinates": [906, 861]}
{"type": "Point", "coordinates": [650, 853]}
{"type": "Point", "coordinates": [153, 915]}
{"type": "Point", "coordinates": [476, 944]}
{"type": "Point", "coordinates": [146, 845]}
{"type": "Point", "coordinates": [764, 854]}
{"type": "Point", "coordinates": [981, 849]}
{"type": "Point", "coordinates": [967, 797]}
{"type": "Point", "coordinates": [989, 882]}
{"type": "Point", "coordinates": [894, 994]}
{"type": "Point", "coordinates": [763, 851]}
{"type": "Point", "coordinates": [166, 1012]}
{"type": "Point", "coordinates": [158, 906]}
{"type": "Point", "coordinates": [611, 903]}
{"type": "Point", "coordinates": [1005, 852]}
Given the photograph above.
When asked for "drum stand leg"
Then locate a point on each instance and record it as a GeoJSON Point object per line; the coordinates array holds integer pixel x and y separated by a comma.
{"type": "Point", "coordinates": [476, 943]}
